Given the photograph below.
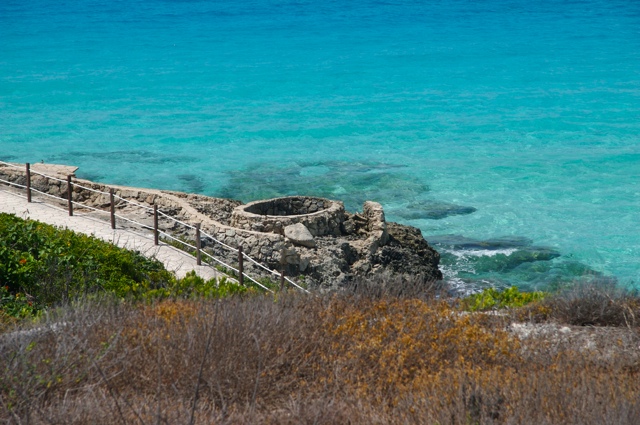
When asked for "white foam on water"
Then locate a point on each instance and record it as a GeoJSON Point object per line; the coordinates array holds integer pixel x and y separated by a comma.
{"type": "Point", "coordinates": [479, 252]}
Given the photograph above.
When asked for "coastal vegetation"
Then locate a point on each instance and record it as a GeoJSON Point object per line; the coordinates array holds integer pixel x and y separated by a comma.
{"type": "Point", "coordinates": [80, 345]}
{"type": "Point", "coordinates": [491, 299]}
{"type": "Point", "coordinates": [42, 266]}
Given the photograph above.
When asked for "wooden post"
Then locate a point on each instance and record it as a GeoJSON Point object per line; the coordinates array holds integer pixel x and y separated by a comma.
{"type": "Point", "coordinates": [240, 266]}
{"type": "Point", "coordinates": [283, 262]}
{"type": "Point", "coordinates": [112, 208]}
{"type": "Point", "coordinates": [198, 245]}
{"type": "Point", "coordinates": [28, 182]}
{"type": "Point", "coordinates": [155, 224]}
{"type": "Point", "coordinates": [70, 195]}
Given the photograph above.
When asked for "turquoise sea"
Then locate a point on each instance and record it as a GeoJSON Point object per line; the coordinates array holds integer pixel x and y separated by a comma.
{"type": "Point", "coordinates": [507, 130]}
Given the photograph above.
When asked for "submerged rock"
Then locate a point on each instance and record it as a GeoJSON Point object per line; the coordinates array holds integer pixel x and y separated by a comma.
{"type": "Point", "coordinates": [458, 242]}
{"type": "Point", "coordinates": [351, 182]}
{"type": "Point", "coordinates": [192, 182]}
{"type": "Point", "coordinates": [492, 255]}
{"type": "Point", "coordinates": [504, 262]}
{"type": "Point", "coordinates": [433, 210]}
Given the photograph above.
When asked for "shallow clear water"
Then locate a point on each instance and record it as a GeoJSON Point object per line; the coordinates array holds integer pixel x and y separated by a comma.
{"type": "Point", "coordinates": [500, 119]}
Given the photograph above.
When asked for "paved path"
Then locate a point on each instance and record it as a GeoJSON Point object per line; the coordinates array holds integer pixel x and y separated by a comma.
{"type": "Point", "coordinates": [173, 259]}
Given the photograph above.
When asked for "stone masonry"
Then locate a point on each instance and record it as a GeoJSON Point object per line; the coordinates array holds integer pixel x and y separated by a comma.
{"type": "Point", "coordinates": [320, 216]}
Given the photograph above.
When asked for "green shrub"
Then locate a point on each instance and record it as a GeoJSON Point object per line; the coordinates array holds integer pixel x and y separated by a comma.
{"type": "Point", "coordinates": [41, 265]}
{"type": "Point", "coordinates": [15, 305]}
{"type": "Point", "coordinates": [52, 265]}
{"type": "Point", "coordinates": [194, 286]}
{"type": "Point", "coordinates": [493, 299]}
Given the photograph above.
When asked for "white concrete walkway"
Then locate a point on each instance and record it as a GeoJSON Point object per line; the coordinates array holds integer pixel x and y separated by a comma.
{"type": "Point", "coordinates": [173, 259]}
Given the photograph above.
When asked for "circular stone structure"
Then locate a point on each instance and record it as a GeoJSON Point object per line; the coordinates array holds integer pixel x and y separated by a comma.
{"type": "Point", "coordinates": [321, 216]}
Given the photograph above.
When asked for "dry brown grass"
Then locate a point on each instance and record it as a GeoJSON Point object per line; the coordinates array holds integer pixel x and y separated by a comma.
{"type": "Point", "coordinates": [593, 303]}
{"type": "Point", "coordinates": [322, 359]}
{"type": "Point", "coordinates": [598, 303]}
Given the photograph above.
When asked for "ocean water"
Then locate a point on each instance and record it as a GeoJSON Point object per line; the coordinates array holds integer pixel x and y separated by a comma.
{"type": "Point", "coordinates": [508, 131]}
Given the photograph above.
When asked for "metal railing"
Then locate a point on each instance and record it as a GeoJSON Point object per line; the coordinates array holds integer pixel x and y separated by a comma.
{"type": "Point", "coordinates": [156, 213]}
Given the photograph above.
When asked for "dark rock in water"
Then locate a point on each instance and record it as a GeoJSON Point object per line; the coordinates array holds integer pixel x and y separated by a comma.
{"type": "Point", "coordinates": [132, 156]}
{"type": "Point", "coordinates": [433, 210]}
{"type": "Point", "coordinates": [90, 176]}
{"type": "Point", "coordinates": [457, 242]}
{"type": "Point", "coordinates": [352, 183]}
{"type": "Point", "coordinates": [553, 275]}
{"type": "Point", "coordinates": [505, 262]}
{"type": "Point", "coordinates": [530, 276]}
{"type": "Point", "coordinates": [193, 182]}
{"type": "Point", "coordinates": [495, 261]}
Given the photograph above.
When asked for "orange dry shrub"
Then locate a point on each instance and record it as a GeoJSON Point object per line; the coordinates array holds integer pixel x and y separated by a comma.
{"type": "Point", "coordinates": [390, 347]}
{"type": "Point", "coordinates": [168, 315]}
{"type": "Point", "coordinates": [159, 324]}
{"type": "Point", "coordinates": [173, 311]}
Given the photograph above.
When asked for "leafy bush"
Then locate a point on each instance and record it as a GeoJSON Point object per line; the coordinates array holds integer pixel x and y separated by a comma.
{"type": "Point", "coordinates": [193, 285]}
{"type": "Point", "coordinates": [493, 299]}
{"type": "Point", "coordinates": [41, 265]}
{"type": "Point", "coordinates": [15, 305]}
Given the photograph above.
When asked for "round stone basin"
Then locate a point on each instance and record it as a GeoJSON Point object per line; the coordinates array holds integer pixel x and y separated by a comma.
{"type": "Point", "coordinates": [321, 216]}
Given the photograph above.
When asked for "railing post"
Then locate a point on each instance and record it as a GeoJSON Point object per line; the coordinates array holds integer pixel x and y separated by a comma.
{"type": "Point", "coordinates": [240, 266]}
{"type": "Point", "coordinates": [198, 245]}
{"type": "Point", "coordinates": [112, 208]}
{"type": "Point", "coordinates": [70, 195]}
{"type": "Point", "coordinates": [282, 271]}
{"type": "Point", "coordinates": [283, 263]}
{"type": "Point", "coordinates": [155, 224]}
{"type": "Point", "coordinates": [28, 182]}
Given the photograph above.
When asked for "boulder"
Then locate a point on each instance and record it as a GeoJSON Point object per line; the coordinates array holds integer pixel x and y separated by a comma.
{"type": "Point", "coordinates": [298, 234]}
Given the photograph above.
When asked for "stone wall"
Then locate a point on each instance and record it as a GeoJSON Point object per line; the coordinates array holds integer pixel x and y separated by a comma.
{"type": "Point", "coordinates": [290, 205]}
{"type": "Point", "coordinates": [323, 216]}
{"type": "Point", "coordinates": [219, 209]}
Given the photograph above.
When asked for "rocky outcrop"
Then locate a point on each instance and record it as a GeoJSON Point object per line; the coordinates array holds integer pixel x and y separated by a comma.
{"type": "Point", "coordinates": [368, 245]}
{"type": "Point", "coordinates": [408, 252]}
{"type": "Point", "coordinates": [398, 250]}
{"type": "Point", "coordinates": [310, 237]}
